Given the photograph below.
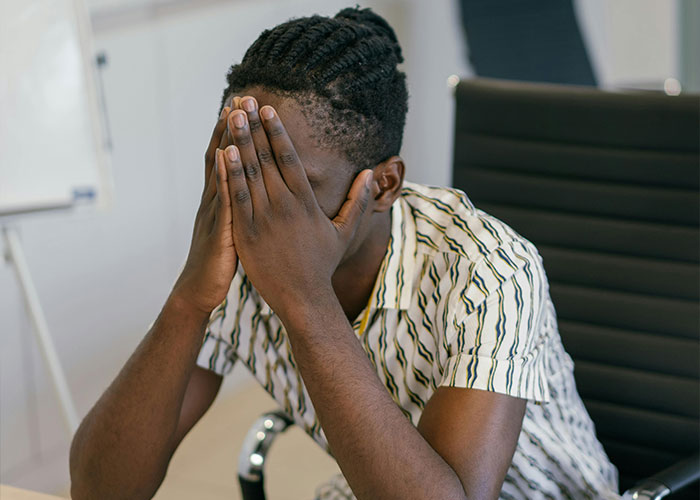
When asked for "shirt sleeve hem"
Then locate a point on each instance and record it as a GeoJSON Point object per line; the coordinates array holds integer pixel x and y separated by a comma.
{"type": "Point", "coordinates": [216, 355]}
{"type": "Point", "coordinates": [518, 377]}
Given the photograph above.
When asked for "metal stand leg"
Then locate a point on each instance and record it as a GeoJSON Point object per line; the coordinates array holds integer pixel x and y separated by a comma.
{"type": "Point", "coordinates": [41, 328]}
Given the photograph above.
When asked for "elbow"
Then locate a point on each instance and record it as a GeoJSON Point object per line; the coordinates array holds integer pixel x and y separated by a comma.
{"type": "Point", "coordinates": [79, 490]}
{"type": "Point", "coordinates": [80, 487]}
{"type": "Point", "coordinates": [92, 478]}
{"type": "Point", "coordinates": [83, 477]}
{"type": "Point", "coordinates": [451, 488]}
{"type": "Point", "coordinates": [460, 494]}
{"type": "Point", "coordinates": [75, 466]}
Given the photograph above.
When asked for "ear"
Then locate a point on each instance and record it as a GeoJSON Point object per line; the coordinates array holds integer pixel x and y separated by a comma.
{"type": "Point", "coordinates": [388, 181]}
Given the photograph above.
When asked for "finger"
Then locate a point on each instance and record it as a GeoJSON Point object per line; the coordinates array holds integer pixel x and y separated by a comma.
{"type": "Point", "coordinates": [350, 213]}
{"type": "Point", "coordinates": [240, 129]}
{"type": "Point", "coordinates": [210, 154]}
{"type": "Point", "coordinates": [209, 217]}
{"type": "Point", "coordinates": [274, 184]}
{"type": "Point", "coordinates": [288, 161]}
{"type": "Point", "coordinates": [241, 206]}
{"type": "Point", "coordinates": [226, 139]}
{"type": "Point", "coordinates": [223, 205]}
{"type": "Point", "coordinates": [207, 207]}
{"type": "Point", "coordinates": [209, 186]}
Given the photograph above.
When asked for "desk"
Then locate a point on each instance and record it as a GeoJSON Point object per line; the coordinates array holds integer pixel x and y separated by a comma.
{"type": "Point", "coordinates": [11, 493]}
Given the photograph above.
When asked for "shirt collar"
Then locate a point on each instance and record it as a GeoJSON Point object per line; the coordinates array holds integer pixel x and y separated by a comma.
{"type": "Point", "coordinates": [394, 284]}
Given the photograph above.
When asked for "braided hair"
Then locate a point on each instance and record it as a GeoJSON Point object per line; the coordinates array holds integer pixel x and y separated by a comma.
{"type": "Point", "coordinates": [343, 70]}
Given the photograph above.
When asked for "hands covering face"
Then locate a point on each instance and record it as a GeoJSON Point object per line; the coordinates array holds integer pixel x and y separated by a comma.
{"type": "Point", "coordinates": [287, 245]}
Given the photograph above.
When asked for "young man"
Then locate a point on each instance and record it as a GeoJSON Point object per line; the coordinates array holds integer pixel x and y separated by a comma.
{"type": "Point", "coordinates": [409, 333]}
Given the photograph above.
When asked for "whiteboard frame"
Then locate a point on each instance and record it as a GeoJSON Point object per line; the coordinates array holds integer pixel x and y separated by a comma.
{"type": "Point", "coordinates": [103, 197]}
{"type": "Point", "coordinates": [106, 187]}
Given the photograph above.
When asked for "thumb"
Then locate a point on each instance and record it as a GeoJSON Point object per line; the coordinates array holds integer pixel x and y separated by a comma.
{"type": "Point", "coordinates": [351, 212]}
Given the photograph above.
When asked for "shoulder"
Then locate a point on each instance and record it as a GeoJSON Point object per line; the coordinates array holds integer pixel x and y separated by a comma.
{"type": "Point", "coordinates": [447, 222]}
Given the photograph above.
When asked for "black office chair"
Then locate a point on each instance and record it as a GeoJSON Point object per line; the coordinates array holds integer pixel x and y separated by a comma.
{"type": "Point", "coordinates": [606, 186]}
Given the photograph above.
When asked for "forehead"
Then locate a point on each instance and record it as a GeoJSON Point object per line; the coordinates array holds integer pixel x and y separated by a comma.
{"type": "Point", "coordinates": [318, 162]}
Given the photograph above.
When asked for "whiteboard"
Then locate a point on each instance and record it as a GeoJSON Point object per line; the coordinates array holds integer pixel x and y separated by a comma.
{"type": "Point", "coordinates": [51, 152]}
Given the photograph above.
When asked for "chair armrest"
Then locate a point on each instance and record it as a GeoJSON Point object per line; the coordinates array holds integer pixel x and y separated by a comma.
{"type": "Point", "coordinates": [667, 481]}
{"type": "Point", "coordinates": [251, 460]}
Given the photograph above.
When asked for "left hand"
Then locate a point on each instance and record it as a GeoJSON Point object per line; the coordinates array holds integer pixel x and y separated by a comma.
{"type": "Point", "coordinates": [288, 247]}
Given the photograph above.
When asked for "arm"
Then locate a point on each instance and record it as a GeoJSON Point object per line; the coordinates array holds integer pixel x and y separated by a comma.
{"type": "Point", "coordinates": [465, 440]}
{"type": "Point", "coordinates": [124, 444]}
{"type": "Point", "coordinates": [379, 451]}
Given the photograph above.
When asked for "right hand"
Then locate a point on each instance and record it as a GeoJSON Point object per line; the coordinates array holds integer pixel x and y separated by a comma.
{"type": "Point", "coordinates": [212, 260]}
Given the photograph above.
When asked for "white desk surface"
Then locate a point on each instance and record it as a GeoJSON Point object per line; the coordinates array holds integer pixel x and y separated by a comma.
{"type": "Point", "coordinates": [12, 493]}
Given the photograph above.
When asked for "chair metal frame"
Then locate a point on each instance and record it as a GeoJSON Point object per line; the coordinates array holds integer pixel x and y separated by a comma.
{"type": "Point", "coordinates": [251, 461]}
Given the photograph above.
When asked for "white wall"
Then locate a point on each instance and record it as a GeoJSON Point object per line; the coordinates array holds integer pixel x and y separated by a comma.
{"type": "Point", "coordinates": [103, 276]}
{"type": "Point", "coordinates": [631, 43]}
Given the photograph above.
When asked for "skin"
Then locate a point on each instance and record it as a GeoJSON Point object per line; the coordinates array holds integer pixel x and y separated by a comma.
{"type": "Point", "coordinates": [274, 189]}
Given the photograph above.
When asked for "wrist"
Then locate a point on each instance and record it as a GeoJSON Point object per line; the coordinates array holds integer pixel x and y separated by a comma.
{"type": "Point", "coordinates": [181, 305]}
{"type": "Point", "coordinates": [300, 311]}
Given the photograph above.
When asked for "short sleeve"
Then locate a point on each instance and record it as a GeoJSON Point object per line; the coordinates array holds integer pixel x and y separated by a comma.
{"type": "Point", "coordinates": [496, 341]}
{"type": "Point", "coordinates": [218, 352]}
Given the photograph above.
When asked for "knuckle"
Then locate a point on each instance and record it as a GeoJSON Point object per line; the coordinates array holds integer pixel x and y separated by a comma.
{"type": "Point", "coordinates": [252, 170]}
{"type": "Point", "coordinates": [241, 196]}
{"type": "Point", "coordinates": [265, 156]}
{"type": "Point", "coordinates": [275, 131]}
{"type": "Point", "coordinates": [254, 124]}
{"type": "Point", "coordinates": [287, 158]}
{"type": "Point", "coordinates": [235, 170]}
{"type": "Point", "coordinates": [362, 204]}
{"type": "Point", "coordinates": [242, 139]}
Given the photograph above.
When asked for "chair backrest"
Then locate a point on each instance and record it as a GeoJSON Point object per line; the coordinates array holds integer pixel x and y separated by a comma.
{"type": "Point", "coordinates": [605, 184]}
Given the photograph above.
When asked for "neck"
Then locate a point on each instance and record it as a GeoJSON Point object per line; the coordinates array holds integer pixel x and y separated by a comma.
{"type": "Point", "coordinates": [354, 279]}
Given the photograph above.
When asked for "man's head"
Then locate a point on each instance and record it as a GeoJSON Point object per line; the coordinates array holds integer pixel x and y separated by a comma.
{"type": "Point", "coordinates": [337, 89]}
{"type": "Point", "coordinates": [343, 72]}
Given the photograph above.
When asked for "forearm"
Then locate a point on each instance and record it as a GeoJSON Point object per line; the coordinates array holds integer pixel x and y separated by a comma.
{"type": "Point", "coordinates": [380, 452]}
{"type": "Point", "coordinates": [124, 444]}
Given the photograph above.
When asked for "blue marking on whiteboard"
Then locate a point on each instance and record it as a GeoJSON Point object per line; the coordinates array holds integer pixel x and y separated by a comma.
{"type": "Point", "coordinates": [83, 194]}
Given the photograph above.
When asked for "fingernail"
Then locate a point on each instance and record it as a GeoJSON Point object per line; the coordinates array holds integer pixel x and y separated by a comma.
{"type": "Point", "coordinates": [368, 181]}
{"type": "Point", "coordinates": [268, 113]}
{"type": "Point", "coordinates": [239, 120]}
{"type": "Point", "coordinates": [249, 105]}
{"type": "Point", "coordinates": [232, 153]}
{"type": "Point", "coordinates": [223, 113]}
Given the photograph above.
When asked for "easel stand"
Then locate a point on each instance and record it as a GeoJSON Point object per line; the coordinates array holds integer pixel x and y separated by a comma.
{"type": "Point", "coordinates": [15, 255]}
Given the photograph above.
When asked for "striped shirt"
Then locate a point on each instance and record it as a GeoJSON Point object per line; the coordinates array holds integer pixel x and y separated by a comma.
{"type": "Point", "coordinates": [461, 300]}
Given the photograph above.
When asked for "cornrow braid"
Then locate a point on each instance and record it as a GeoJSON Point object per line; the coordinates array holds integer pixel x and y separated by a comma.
{"type": "Point", "coordinates": [285, 40]}
{"type": "Point", "coordinates": [303, 45]}
{"type": "Point", "coordinates": [345, 70]}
